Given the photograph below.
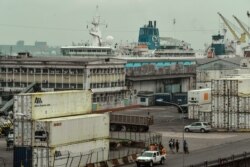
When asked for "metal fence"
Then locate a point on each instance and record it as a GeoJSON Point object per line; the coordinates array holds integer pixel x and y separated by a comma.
{"type": "Point", "coordinates": [148, 138]}
{"type": "Point", "coordinates": [240, 160]}
{"type": "Point", "coordinates": [135, 142]}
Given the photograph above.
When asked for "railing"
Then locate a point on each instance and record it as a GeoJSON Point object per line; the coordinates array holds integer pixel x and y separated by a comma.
{"type": "Point", "coordinates": [130, 143]}
{"type": "Point", "coordinates": [148, 138]}
{"type": "Point", "coordinates": [239, 160]}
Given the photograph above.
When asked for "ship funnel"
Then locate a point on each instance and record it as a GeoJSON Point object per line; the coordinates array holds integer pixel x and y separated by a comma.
{"type": "Point", "coordinates": [150, 24]}
{"type": "Point", "coordinates": [155, 23]}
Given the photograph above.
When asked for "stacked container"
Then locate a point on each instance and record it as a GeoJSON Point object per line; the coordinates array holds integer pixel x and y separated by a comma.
{"type": "Point", "coordinates": [231, 103]}
{"type": "Point", "coordinates": [199, 104]}
{"type": "Point", "coordinates": [51, 127]}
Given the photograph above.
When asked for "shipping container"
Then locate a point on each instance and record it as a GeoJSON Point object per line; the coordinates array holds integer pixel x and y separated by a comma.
{"type": "Point", "coordinates": [199, 96]}
{"type": "Point", "coordinates": [78, 154]}
{"type": "Point", "coordinates": [231, 121]}
{"type": "Point", "coordinates": [232, 104]}
{"type": "Point", "coordinates": [193, 111]}
{"type": "Point", "coordinates": [231, 112]}
{"type": "Point", "coordinates": [23, 132]}
{"type": "Point", "coordinates": [234, 86]}
{"type": "Point", "coordinates": [196, 111]}
{"type": "Point", "coordinates": [52, 104]}
{"type": "Point", "coordinates": [179, 98]}
{"type": "Point", "coordinates": [205, 107]}
{"type": "Point", "coordinates": [205, 116]}
{"type": "Point", "coordinates": [22, 156]}
{"type": "Point", "coordinates": [63, 130]}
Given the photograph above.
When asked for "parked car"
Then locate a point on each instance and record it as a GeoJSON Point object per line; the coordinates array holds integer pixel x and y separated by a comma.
{"type": "Point", "coordinates": [198, 127]}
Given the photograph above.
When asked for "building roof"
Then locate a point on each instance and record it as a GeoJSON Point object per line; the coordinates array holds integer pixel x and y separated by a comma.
{"type": "Point", "coordinates": [56, 60]}
{"type": "Point", "coordinates": [234, 60]}
{"type": "Point", "coordinates": [156, 59]}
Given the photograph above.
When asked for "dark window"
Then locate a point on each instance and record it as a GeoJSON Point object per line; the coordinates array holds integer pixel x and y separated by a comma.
{"type": "Point", "coordinates": [143, 99]}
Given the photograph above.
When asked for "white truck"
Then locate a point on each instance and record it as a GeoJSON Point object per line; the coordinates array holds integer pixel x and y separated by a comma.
{"type": "Point", "coordinates": [149, 158]}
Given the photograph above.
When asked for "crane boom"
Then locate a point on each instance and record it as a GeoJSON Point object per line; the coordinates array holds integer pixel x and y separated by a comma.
{"type": "Point", "coordinates": [242, 26]}
{"type": "Point", "coordinates": [230, 28]}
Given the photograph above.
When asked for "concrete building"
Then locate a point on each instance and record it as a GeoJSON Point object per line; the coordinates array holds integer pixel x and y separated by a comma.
{"type": "Point", "coordinates": [161, 75]}
{"type": "Point", "coordinates": [105, 77]}
{"type": "Point", "coordinates": [215, 68]}
{"type": "Point", "coordinates": [39, 48]}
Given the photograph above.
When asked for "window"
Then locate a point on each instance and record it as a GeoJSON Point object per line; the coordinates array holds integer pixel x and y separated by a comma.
{"type": "Point", "coordinates": [143, 99]}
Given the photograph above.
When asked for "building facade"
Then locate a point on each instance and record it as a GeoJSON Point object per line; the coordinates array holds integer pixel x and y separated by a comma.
{"type": "Point", "coordinates": [105, 77]}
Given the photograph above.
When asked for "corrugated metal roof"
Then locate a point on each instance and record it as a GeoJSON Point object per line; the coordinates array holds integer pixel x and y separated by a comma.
{"type": "Point", "coordinates": [55, 58]}
{"type": "Point", "coordinates": [234, 60]}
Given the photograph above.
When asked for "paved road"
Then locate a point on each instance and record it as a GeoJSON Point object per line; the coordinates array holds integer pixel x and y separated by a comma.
{"type": "Point", "coordinates": [168, 122]}
{"type": "Point", "coordinates": [209, 153]}
{"type": "Point", "coordinates": [207, 146]}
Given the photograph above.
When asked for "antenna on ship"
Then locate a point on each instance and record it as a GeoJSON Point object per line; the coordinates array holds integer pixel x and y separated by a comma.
{"type": "Point", "coordinates": [95, 30]}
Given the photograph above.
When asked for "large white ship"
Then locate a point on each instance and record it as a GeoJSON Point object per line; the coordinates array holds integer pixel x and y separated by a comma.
{"type": "Point", "coordinates": [98, 48]}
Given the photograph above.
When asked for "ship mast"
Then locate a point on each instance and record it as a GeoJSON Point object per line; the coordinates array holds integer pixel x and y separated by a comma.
{"type": "Point", "coordinates": [95, 31]}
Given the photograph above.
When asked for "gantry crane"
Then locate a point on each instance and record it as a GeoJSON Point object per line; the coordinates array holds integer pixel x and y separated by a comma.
{"type": "Point", "coordinates": [241, 39]}
{"type": "Point", "coordinates": [242, 26]}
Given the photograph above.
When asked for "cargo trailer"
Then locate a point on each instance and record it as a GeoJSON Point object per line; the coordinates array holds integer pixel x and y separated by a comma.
{"type": "Point", "coordinates": [63, 130]}
{"type": "Point", "coordinates": [78, 154]}
{"type": "Point", "coordinates": [134, 123]}
{"type": "Point", "coordinates": [44, 105]}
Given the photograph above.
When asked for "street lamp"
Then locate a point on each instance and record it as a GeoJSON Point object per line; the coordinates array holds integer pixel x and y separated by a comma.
{"type": "Point", "coordinates": [182, 113]}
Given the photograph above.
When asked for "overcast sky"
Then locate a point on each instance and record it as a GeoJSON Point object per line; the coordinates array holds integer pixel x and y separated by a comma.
{"type": "Point", "coordinates": [60, 22]}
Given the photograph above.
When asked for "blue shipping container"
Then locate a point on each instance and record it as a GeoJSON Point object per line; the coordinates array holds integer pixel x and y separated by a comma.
{"type": "Point", "coordinates": [180, 98]}
{"type": "Point", "coordinates": [22, 156]}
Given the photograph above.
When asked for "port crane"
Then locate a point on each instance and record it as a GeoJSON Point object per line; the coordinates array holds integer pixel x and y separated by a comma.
{"type": "Point", "coordinates": [242, 26]}
{"type": "Point", "coordinates": [241, 39]}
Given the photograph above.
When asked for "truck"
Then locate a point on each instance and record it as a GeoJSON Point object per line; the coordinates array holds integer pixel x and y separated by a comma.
{"type": "Point", "coordinates": [130, 123]}
{"type": "Point", "coordinates": [149, 158]}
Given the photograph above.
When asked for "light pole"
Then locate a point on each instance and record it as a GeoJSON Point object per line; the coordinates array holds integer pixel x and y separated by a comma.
{"type": "Point", "coordinates": [182, 113]}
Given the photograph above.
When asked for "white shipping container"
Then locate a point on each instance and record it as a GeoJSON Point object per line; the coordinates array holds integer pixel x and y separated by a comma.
{"type": "Point", "coordinates": [63, 130]}
{"type": "Point", "coordinates": [78, 154]}
{"type": "Point", "coordinates": [199, 96]}
{"type": "Point", "coordinates": [76, 128]}
{"type": "Point", "coordinates": [23, 133]}
{"type": "Point", "coordinates": [234, 86]}
{"type": "Point", "coordinates": [205, 116]}
{"type": "Point", "coordinates": [52, 104]}
{"type": "Point", "coordinates": [231, 121]}
{"type": "Point", "coordinates": [197, 111]}
{"type": "Point", "coordinates": [233, 104]}
{"type": "Point", "coordinates": [205, 107]}
{"type": "Point", "coordinates": [193, 112]}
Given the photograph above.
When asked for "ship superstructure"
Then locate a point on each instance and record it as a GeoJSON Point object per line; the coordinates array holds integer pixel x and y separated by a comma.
{"type": "Point", "coordinates": [99, 48]}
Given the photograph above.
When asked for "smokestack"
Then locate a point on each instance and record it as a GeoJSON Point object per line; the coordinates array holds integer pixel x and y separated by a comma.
{"type": "Point", "coordinates": [155, 23]}
{"type": "Point", "coordinates": [150, 24]}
